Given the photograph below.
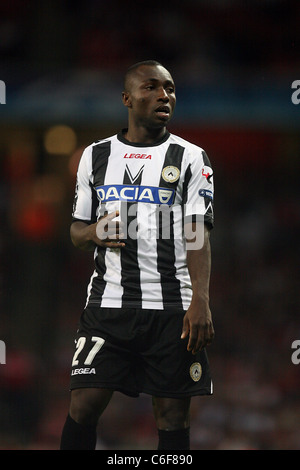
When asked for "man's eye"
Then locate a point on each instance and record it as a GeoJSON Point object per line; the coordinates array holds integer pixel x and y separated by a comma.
{"type": "Point", "coordinates": [170, 90]}
{"type": "Point", "coordinates": [149, 87]}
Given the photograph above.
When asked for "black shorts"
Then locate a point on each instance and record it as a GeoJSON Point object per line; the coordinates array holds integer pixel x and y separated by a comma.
{"type": "Point", "coordinates": [137, 351]}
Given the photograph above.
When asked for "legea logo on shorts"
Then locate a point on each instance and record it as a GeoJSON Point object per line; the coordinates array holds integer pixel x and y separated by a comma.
{"type": "Point", "coordinates": [2, 92]}
{"type": "Point", "coordinates": [83, 371]}
{"type": "Point", "coordinates": [135, 193]}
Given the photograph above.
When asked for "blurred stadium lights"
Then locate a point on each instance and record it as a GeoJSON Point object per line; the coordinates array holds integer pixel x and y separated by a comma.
{"type": "Point", "coordinates": [60, 140]}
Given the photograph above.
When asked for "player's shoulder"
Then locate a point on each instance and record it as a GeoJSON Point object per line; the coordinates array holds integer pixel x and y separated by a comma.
{"type": "Point", "coordinates": [102, 141]}
{"type": "Point", "coordinates": [190, 147]}
{"type": "Point", "coordinates": [86, 159]}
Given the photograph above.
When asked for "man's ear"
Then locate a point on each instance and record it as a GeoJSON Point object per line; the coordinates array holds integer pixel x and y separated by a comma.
{"type": "Point", "coordinates": [126, 99]}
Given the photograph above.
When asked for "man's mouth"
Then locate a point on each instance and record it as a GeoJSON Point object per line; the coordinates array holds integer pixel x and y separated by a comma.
{"type": "Point", "coordinates": [163, 111]}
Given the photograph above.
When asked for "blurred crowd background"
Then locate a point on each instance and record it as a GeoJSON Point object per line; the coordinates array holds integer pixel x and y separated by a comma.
{"type": "Point", "coordinates": [233, 63]}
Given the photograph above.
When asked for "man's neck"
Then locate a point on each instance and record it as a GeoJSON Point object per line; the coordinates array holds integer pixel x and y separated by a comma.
{"type": "Point", "coordinates": [144, 136]}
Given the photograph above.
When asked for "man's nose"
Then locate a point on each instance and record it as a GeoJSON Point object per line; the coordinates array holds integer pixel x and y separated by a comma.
{"type": "Point", "coordinates": [163, 95]}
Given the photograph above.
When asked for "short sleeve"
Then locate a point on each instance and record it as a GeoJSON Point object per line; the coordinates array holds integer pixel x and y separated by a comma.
{"type": "Point", "coordinates": [199, 189]}
{"type": "Point", "coordinates": [83, 199]}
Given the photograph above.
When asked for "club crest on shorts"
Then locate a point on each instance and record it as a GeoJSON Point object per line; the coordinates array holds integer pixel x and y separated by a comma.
{"type": "Point", "coordinates": [170, 174]}
{"type": "Point", "coordinates": [196, 371]}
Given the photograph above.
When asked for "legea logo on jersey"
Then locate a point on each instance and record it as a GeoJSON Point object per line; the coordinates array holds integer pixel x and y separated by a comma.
{"type": "Point", "coordinates": [135, 193]}
{"type": "Point", "coordinates": [143, 156]}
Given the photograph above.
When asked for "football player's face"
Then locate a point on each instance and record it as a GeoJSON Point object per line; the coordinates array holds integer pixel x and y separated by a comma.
{"type": "Point", "coordinates": [151, 96]}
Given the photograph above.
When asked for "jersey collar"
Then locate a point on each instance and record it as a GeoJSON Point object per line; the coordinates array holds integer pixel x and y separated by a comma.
{"type": "Point", "coordinates": [121, 138]}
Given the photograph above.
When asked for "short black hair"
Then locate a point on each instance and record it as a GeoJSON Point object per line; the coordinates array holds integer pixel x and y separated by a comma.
{"type": "Point", "coordinates": [134, 67]}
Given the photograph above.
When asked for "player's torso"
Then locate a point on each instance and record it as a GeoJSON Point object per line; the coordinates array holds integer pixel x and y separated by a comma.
{"type": "Point", "coordinates": [145, 185]}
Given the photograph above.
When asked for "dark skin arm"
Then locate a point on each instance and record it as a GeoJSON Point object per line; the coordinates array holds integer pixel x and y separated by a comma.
{"type": "Point", "coordinates": [197, 322]}
{"type": "Point", "coordinates": [106, 233]}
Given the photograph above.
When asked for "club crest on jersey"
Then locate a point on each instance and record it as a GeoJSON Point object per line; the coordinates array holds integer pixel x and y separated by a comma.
{"type": "Point", "coordinates": [196, 371]}
{"type": "Point", "coordinates": [135, 193]}
{"type": "Point", "coordinates": [170, 174]}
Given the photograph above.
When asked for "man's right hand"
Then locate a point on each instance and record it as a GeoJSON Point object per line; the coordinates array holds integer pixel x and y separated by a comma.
{"type": "Point", "coordinates": [109, 232]}
{"type": "Point", "coordinates": [106, 233]}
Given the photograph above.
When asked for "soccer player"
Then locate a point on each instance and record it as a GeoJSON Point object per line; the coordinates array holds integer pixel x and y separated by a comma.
{"type": "Point", "coordinates": [143, 203]}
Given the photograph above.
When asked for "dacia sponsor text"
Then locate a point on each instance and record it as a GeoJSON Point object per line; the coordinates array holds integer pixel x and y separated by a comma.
{"type": "Point", "coordinates": [135, 193]}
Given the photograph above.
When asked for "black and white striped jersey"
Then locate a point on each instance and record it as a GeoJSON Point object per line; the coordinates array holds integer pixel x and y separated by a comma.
{"type": "Point", "coordinates": [156, 188]}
